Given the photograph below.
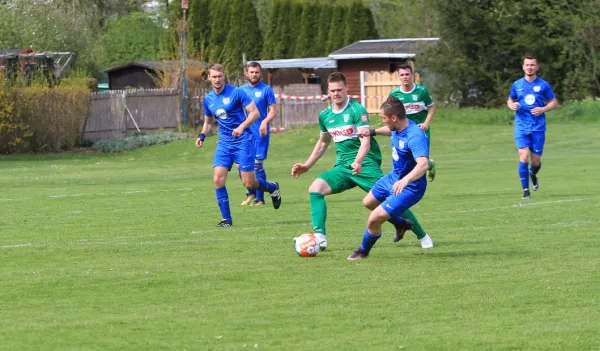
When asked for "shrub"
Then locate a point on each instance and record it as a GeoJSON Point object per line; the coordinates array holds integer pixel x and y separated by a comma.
{"type": "Point", "coordinates": [136, 141]}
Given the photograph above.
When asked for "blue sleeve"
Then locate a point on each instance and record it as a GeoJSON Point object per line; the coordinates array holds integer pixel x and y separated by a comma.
{"type": "Point", "coordinates": [207, 112]}
{"type": "Point", "coordinates": [270, 97]}
{"type": "Point", "coordinates": [242, 97]}
{"type": "Point", "coordinates": [548, 93]}
{"type": "Point", "coordinates": [513, 93]}
{"type": "Point", "coordinates": [418, 146]}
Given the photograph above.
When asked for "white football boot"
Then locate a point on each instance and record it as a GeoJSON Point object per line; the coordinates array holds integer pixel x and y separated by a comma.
{"type": "Point", "coordinates": [426, 242]}
{"type": "Point", "coordinates": [322, 240]}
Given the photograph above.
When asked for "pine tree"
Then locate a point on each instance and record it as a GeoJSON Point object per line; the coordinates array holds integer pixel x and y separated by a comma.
{"type": "Point", "coordinates": [271, 31]}
{"type": "Point", "coordinates": [199, 26]}
{"type": "Point", "coordinates": [354, 23]}
{"type": "Point", "coordinates": [337, 29]}
{"type": "Point", "coordinates": [282, 34]}
{"type": "Point", "coordinates": [219, 28]}
{"type": "Point", "coordinates": [308, 31]}
{"type": "Point", "coordinates": [321, 47]}
{"type": "Point", "coordinates": [371, 32]}
{"type": "Point", "coordinates": [244, 35]}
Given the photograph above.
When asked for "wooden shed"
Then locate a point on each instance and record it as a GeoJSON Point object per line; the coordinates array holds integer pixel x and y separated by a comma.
{"type": "Point", "coordinates": [148, 74]}
{"type": "Point", "coordinates": [376, 56]}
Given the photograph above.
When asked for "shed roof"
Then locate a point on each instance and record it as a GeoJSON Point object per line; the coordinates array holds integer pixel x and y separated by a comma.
{"type": "Point", "coordinates": [153, 65]}
{"type": "Point", "coordinates": [384, 48]}
{"type": "Point", "coordinates": [306, 63]}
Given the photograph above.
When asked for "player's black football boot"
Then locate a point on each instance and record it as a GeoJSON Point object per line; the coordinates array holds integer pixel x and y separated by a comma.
{"type": "Point", "coordinates": [276, 197]}
{"type": "Point", "coordinates": [358, 255]}
{"type": "Point", "coordinates": [224, 224]}
{"type": "Point", "coordinates": [526, 195]}
{"type": "Point", "coordinates": [534, 181]}
{"type": "Point", "coordinates": [401, 229]}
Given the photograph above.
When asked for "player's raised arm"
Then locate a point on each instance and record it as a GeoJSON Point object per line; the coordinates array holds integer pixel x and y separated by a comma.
{"type": "Point", "coordinates": [318, 151]}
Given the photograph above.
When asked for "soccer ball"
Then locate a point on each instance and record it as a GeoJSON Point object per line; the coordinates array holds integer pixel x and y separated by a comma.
{"type": "Point", "coordinates": [306, 245]}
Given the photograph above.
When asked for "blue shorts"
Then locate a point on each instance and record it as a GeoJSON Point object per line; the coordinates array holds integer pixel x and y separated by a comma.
{"type": "Point", "coordinates": [242, 153]}
{"type": "Point", "coordinates": [395, 205]}
{"type": "Point", "coordinates": [261, 147]}
{"type": "Point", "coordinates": [533, 140]}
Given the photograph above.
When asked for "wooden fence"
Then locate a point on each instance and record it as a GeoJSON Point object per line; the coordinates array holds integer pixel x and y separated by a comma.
{"type": "Point", "coordinates": [375, 88]}
{"type": "Point", "coordinates": [119, 113]}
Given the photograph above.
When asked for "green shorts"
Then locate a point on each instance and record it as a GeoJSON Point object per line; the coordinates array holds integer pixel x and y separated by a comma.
{"type": "Point", "coordinates": [341, 179]}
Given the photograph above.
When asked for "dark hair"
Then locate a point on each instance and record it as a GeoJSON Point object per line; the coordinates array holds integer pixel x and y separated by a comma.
{"type": "Point", "coordinates": [336, 77]}
{"type": "Point", "coordinates": [405, 66]}
{"type": "Point", "coordinates": [217, 67]}
{"type": "Point", "coordinates": [530, 58]}
{"type": "Point", "coordinates": [254, 64]}
{"type": "Point", "coordinates": [393, 106]}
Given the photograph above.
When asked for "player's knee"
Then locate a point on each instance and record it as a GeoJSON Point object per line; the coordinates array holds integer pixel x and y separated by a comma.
{"type": "Point", "coordinates": [369, 203]}
{"type": "Point", "coordinates": [219, 181]}
{"type": "Point", "coordinates": [250, 183]}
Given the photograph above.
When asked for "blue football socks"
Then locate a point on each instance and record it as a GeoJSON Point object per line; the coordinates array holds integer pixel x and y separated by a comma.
{"type": "Point", "coordinates": [524, 175]}
{"type": "Point", "coordinates": [223, 202]}
{"type": "Point", "coordinates": [368, 241]}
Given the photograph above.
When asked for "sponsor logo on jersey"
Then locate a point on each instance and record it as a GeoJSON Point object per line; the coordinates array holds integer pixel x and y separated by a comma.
{"type": "Point", "coordinates": [346, 118]}
{"type": "Point", "coordinates": [226, 100]}
{"type": "Point", "coordinates": [258, 93]}
{"type": "Point", "coordinates": [221, 113]}
{"type": "Point", "coordinates": [413, 107]}
{"type": "Point", "coordinates": [530, 99]}
{"type": "Point", "coordinates": [342, 132]}
{"type": "Point", "coordinates": [364, 118]}
{"type": "Point", "coordinates": [537, 88]}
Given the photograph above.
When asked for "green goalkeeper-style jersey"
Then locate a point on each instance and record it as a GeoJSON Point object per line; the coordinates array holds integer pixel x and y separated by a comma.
{"type": "Point", "coordinates": [342, 126]}
{"type": "Point", "coordinates": [416, 102]}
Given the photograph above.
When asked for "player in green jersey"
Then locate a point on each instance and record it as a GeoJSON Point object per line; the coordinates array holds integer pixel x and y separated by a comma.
{"type": "Point", "coordinates": [358, 161]}
{"type": "Point", "coordinates": [418, 104]}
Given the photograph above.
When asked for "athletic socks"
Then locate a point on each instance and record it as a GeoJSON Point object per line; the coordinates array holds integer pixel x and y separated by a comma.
{"type": "Point", "coordinates": [223, 202]}
{"type": "Point", "coordinates": [260, 174]}
{"type": "Point", "coordinates": [318, 212]}
{"type": "Point", "coordinates": [368, 241]}
{"type": "Point", "coordinates": [524, 175]}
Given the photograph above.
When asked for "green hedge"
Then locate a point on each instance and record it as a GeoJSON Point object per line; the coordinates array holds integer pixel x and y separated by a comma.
{"type": "Point", "coordinates": [136, 141]}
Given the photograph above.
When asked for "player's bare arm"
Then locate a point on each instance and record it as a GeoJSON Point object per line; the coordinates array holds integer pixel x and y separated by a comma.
{"type": "Point", "coordinates": [318, 151]}
{"type": "Point", "coordinates": [420, 169]}
{"type": "Point", "coordinates": [363, 150]}
{"type": "Point", "coordinates": [513, 105]}
{"type": "Point", "coordinates": [206, 129]}
{"type": "Point", "coordinates": [550, 106]}
{"type": "Point", "coordinates": [270, 116]}
{"type": "Point", "coordinates": [430, 113]}
{"type": "Point", "coordinates": [253, 115]}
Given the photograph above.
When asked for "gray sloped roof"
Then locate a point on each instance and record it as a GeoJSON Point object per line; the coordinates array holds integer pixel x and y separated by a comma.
{"type": "Point", "coordinates": [307, 63]}
{"type": "Point", "coordinates": [384, 48]}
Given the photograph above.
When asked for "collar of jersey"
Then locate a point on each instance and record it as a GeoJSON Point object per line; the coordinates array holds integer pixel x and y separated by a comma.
{"type": "Point", "coordinates": [408, 92]}
{"type": "Point", "coordinates": [342, 110]}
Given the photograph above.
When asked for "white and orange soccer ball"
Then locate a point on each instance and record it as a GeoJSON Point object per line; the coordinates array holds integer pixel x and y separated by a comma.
{"type": "Point", "coordinates": [306, 245]}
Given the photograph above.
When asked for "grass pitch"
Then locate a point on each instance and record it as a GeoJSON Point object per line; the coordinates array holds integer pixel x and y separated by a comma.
{"type": "Point", "coordinates": [121, 252]}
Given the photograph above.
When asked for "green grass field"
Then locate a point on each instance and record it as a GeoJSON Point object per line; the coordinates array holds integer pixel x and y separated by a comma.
{"type": "Point", "coordinates": [121, 252]}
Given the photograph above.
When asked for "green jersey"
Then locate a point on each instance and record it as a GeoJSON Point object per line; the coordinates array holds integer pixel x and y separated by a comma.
{"type": "Point", "coordinates": [416, 102]}
{"type": "Point", "coordinates": [342, 126]}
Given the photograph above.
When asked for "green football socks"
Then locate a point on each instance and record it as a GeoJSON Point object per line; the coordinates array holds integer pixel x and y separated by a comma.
{"type": "Point", "coordinates": [318, 212]}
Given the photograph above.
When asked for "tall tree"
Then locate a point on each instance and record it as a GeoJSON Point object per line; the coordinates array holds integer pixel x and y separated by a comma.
{"type": "Point", "coordinates": [268, 52]}
{"type": "Point", "coordinates": [305, 44]}
{"type": "Point", "coordinates": [199, 26]}
{"type": "Point", "coordinates": [321, 45]}
{"type": "Point", "coordinates": [244, 35]}
{"type": "Point", "coordinates": [336, 38]}
{"type": "Point", "coordinates": [219, 28]}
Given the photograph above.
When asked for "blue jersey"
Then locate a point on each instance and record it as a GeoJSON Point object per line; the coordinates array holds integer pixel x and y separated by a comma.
{"type": "Point", "coordinates": [263, 97]}
{"type": "Point", "coordinates": [408, 145]}
{"type": "Point", "coordinates": [228, 108]}
{"type": "Point", "coordinates": [530, 95]}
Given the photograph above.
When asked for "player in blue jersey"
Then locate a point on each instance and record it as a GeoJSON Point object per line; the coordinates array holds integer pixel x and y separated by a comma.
{"type": "Point", "coordinates": [264, 99]}
{"type": "Point", "coordinates": [405, 184]}
{"type": "Point", "coordinates": [531, 97]}
{"type": "Point", "coordinates": [227, 103]}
